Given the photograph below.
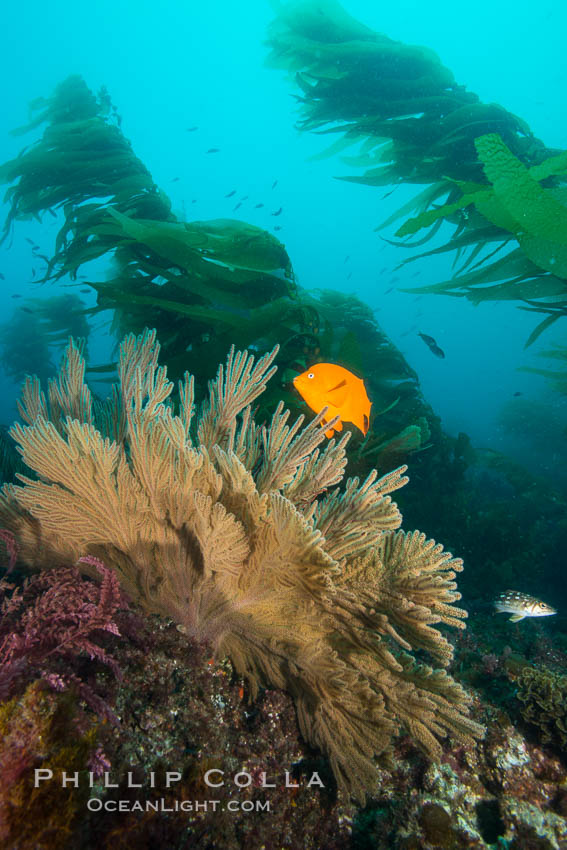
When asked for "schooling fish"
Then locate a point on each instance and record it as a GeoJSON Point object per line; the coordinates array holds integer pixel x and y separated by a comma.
{"type": "Point", "coordinates": [277, 212]}
{"type": "Point", "coordinates": [521, 605]}
{"type": "Point", "coordinates": [277, 227]}
{"type": "Point", "coordinates": [432, 345]}
{"type": "Point", "coordinates": [230, 194]}
{"type": "Point", "coordinates": [213, 150]}
{"type": "Point", "coordinates": [257, 207]}
{"type": "Point", "coordinates": [274, 184]}
{"type": "Point", "coordinates": [191, 129]}
{"type": "Point", "coordinates": [332, 386]}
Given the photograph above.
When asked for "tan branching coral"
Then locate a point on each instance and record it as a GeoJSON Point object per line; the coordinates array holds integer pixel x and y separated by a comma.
{"type": "Point", "coordinates": [240, 534]}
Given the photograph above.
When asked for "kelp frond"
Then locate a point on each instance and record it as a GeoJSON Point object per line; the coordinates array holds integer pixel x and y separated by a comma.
{"type": "Point", "coordinates": [519, 209]}
{"type": "Point", "coordinates": [206, 283]}
{"type": "Point", "coordinates": [414, 124]}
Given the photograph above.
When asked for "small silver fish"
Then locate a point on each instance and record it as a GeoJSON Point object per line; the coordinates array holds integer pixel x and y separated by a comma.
{"type": "Point", "coordinates": [521, 605]}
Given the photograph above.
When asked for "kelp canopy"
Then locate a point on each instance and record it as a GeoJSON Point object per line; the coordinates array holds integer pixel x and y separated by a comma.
{"type": "Point", "coordinates": [413, 123]}
{"type": "Point", "coordinates": [203, 282]}
{"type": "Point", "coordinates": [204, 285]}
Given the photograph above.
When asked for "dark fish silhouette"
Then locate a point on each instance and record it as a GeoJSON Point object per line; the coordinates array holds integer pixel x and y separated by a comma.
{"type": "Point", "coordinates": [391, 289]}
{"type": "Point", "coordinates": [274, 184]}
{"type": "Point", "coordinates": [257, 207]}
{"type": "Point", "coordinates": [26, 309]}
{"type": "Point", "coordinates": [517, 394]}
{"type": "Point", "coordinates": [347, 258]}
{"type": "Point", "coordinates": [432, 345]}
{"type": "Point", "coordinates": [213, 150]}
{"type": "Point", "coordinates": [230, 194]}
{"type": "Point", "coordinates": [30, 240]}
{"type": "Point", "coordinates": [278, 212]}
{"type": "Point", "coordinates": [33, 272]}
{"type": "Point", "coordinates": [175, 179]}
{"type": "Point", "coordinates": [16, 296]}
{"type": "Point", "coordinates": [194, 201]}
{"type": "Point", "coordinates": [245, 197]}
{"type": "Point", "coordinates": [239, 204]}
{"type": "Point", "coordinates": [191, 129]}
{"type": "Point", "coordinates": [84, 290]}
{"type": "Point", "coordinates": [277, 227]}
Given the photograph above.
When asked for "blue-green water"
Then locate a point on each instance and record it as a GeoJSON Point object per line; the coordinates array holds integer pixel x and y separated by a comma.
{"type": "Point", "coordinates": [216, 128]}
{"type": "Point", "coordinates": [175, 65]}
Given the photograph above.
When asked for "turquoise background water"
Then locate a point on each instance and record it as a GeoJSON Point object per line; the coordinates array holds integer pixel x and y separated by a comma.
{"type": "Point", "coordinates": [173, 65]}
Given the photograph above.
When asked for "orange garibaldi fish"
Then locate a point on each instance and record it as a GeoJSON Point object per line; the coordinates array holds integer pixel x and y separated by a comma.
{"type": "Point", "coordinates": [332, 386]}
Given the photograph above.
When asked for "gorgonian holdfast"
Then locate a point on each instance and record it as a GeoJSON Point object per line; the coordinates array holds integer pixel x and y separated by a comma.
{"type": "Point", "coordinates": [240, 533]}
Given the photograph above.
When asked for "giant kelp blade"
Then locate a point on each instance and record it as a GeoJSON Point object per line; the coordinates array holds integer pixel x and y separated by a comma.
{"type": "Point", "coordinates": [225, 243]}
{"type": "Point", "coordinates": [545, 286]}
{"type": "Point", "coordinates": [539, 329]}
{"type": "Point", "coordinates": [514, 266]}
{"type": "Point", "coordinates": [528, 203]}
{"type": "Point", "coordinates": [468, 239]}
